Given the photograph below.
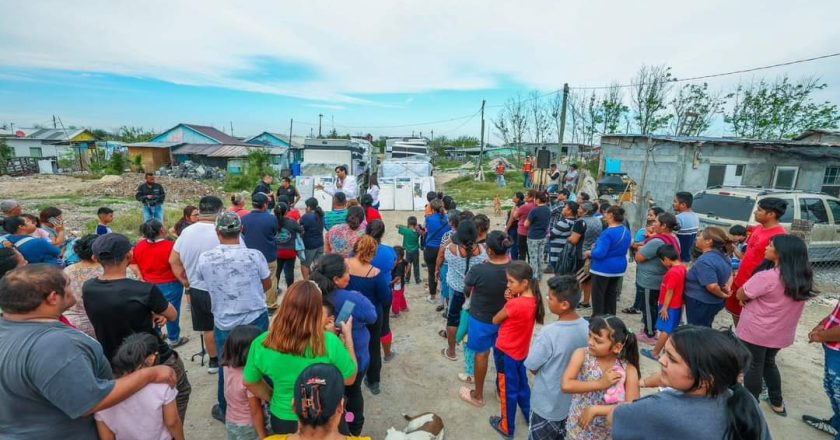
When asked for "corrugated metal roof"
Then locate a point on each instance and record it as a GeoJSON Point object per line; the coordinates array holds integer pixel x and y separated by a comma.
{"type": "Point", "coordinates": [214, 134]}
{"type": "Point", "coordinates": [199, 149]}
{"type": "Point", "coordinates": [230, 151]}
{"type": "Point", "coordinates": [154, 144]}
{"type": "Point", "coordinates": [712, 140]}
{"type": "Point", "coordinates": [54, 134]}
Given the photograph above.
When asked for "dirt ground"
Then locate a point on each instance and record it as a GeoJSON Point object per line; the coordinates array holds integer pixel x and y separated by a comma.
{"type": "Point", "coordinates": [419, 379]}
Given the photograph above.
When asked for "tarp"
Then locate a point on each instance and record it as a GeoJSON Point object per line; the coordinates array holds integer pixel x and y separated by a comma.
{"type": "Point", "coordinates": [401, 168]}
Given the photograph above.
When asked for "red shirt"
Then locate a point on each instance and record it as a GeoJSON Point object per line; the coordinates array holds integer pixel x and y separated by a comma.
{"type": "Point", "coordinates": [673, 279]}
{"type": "Point", "coordinates": [756, 245]}
{"type": "Point", "coordinates": [372, 214]}
{"type": "Point", "coordinates": [294, 214]}
{"type": "Point", "coordinates": [516, 330]}
{"type": "Point", "coordinates": [500, 169]}
{"type": "Point", "coordinates": [241, 212]}
{"type": "Point", "coordinates": [153, 261]}
{"type": "Point", "coordinates": [833, 321]}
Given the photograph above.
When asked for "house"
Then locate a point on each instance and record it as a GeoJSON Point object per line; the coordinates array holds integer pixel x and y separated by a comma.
{"type": "Point", "coordinates": [294, 153]}
{"type": "Point", "coordinates": [567, 149]}
{"type": "Point", "coordinates": [691, 163]}
{"type": "Point", "coordinates": [820, 136]}
{"type": "Point", "coordinates": [157, 152]}
{"type": "Point", "coordinates": [453, 153]}
{"type": "Point", "coordinates": [51, 142]}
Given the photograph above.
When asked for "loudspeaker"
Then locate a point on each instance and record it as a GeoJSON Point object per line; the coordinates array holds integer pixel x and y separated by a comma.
{"type": "Point", "coordinates": [543, 158]}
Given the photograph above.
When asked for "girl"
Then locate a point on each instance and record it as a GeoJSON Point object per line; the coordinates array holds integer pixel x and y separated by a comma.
{"type": "Point", "coordinates": [610, 363]}
{"type": "Point", "coordinates": [371, 213]}
{"type": "Point", "coordinates": [373, 190]}
{"type": "Point", "coordinates": [459, 256]}
{"type": "Point", "coordinates": [523, 308]}
{"type": "Point", "coordinates": [342, 237]}
{"type": "Point", "coordinates": [151, 413]}
{"type": "Point", "coordinates": [244, 418]}
{"type": "Point", "coordinates": [287, 232]}
{"type": "Point", "coordinates": [437, 224]}
{"type": "Point", "coordinates": [399, 276]}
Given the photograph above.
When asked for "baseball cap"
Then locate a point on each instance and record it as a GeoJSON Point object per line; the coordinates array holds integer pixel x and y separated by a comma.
{"type": "Point", "coordinates": [111, 247]}
{"type": "Point", "coordinates": [8, 205]}
{"type": "Point", "coordinates": [259, 199]}
{"type": "Point", "coordinates": [228, 222]}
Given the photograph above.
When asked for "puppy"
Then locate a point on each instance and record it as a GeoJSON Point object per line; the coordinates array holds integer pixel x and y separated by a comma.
{"type": "Point", "coordinates": [426, 426]}
{"type": "Point", "coordinates": [497, 206]}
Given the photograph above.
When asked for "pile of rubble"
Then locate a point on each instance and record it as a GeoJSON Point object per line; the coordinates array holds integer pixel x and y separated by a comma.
{"type": "Point", "coordinates": [191, 170]}
{"type": "Point", "coordinates": [177, 189]}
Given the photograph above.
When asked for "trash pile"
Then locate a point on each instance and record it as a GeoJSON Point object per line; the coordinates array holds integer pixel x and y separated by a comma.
{"type": "Point", "coordinates": [192, 170]}
{"type": "Point", "coordinates": [177, 189]}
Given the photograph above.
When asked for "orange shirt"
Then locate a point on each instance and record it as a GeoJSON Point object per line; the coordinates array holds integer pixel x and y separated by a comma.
{"type": "Point", "coordinates": [528, 167]}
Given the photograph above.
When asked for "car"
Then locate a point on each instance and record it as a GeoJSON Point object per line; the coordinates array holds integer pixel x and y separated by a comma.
{"type": "Point", "coordinates": [814, 216]}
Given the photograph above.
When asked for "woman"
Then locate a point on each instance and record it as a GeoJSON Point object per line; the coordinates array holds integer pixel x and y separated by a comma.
{"type": "Point", "coordinates": [151, 256]}
{"type": "Point", "coordinates": [370, 282]}
{"type": "Point", "coordinates": [52, 221]}
{"type": "Point", "coordinates": [331, 274]}
{"type": "Point", "coordinates": [703, 399]}
{"type": "Point", "coordinates": [585, 232]}
{"type": "Point", "coordinates": [639, 241]}
{"type": "Point", "coordinates": [650, 271]}
{"type": "Point", "coordinates": [312, 223]}
{"type": "Point", "coordinates": [461, 254]}
{"type": "Point", "coordinates": [238, 202]}
{"type": "Point", "coordinates": [561, 256]}
{"type": "Point", "coordinates": [287, 232]}
{"type": "Point", "coordinates": [295, 340]}
{"type": "Point", "coordinates": [705, 283]}
{"type": "Point", "coordinates": [773, 303]}
{"type": "Point", "coordinates": [609, 262]}
{"type": "Point", "coordinates": [371, 213]}
{"type": "Point", "coordinates": [384, 260]}
{"type": "Point", "coordinates": [190, 217]}
{"type": "Point", "coordinates": [319, 405]}
{"type": "Point", "coordinates": [341, 238]}
{"type": "Point", "coordinates": [437, 224]}
{"type": "Point", "coordinates": [10, 259]}
{"type": "Point", "coordinates": [373, 190]}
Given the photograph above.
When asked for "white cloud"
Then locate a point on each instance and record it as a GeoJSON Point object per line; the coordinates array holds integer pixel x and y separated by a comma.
{"type": "Point", "coordinates": [375, 47]}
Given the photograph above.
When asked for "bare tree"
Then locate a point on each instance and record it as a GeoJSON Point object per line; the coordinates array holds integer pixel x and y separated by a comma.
{"type": "Point", "coordinates": [540, 122]}
{"type": "Point", "coordinates": [512, 122]}
{"type": "Point", "coordinates": [651, 86]}
{"type": "Point", "coordinates": [556, 111]}
{"type": "Point", "coordinates": [612, 109]}
{"type": "Point", "coordinates": [693, 109]}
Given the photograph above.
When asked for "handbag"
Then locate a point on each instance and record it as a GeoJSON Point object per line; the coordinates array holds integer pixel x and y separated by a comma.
{"type": "Point", "coordinates": [583, 274]}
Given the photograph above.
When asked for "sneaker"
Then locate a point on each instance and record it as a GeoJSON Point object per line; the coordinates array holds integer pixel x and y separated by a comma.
{"type": "Point", "coordinates": [213, 367]}
{"type": "Point", "coordinates": [584, 306]}
{"type": "Point", "coordinates": [430, 299]}
{"type": "Point", "coordinates": [649, 340]}
{"type": "Point", "coordinates": [418, 282]}
{"type": "Point", "coordinates": [217, 413]}
{"type": "Point", "coordinates": [823, 425]}
{"type": "Point", "coordinates": [439, 308]}
{"type": "Point", "coordinates": [181, 341]}
{"type": "Point", "coordinates": [373, 387]}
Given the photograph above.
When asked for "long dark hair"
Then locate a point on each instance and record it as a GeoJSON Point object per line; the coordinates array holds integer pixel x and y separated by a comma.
{"type": "Point", "coordinates": [794, 267]}
{"type": "Point", "coordinates": [327, 267]}
{"type": "Point", "coordinates": [132, 353]}
{"type": "Point", "coordinates": [235, 350]}
{"type": "Point", "coordinates": [318, 393]}
{"type": "Point", "coordinates": [312, 203]}
{"type": "Point", "coordinates": [151, 229]}
{"type": "Point", "coordinates": [619, 333]}
{"type": "Point", "coordinates": [669, 221]}
{"type": "Point", "coordinates": [375, 229]}
{"type": "Point", "coordinates": [716, 359]}
{"type": "Point", "coordinates": [366, 201]}
{"type": "Point", "coordinates": [520, 271]}
{"type": "Point", "coordinates": [355, 217]}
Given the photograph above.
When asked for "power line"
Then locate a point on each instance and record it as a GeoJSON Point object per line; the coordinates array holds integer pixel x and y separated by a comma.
{"type": "Point", "coordinates": [458, 118]}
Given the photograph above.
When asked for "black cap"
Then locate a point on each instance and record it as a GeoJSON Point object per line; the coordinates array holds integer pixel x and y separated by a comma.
{"type": "Point", "coordinates": [259, 199]}
{"type": "Point", "coordinates": [111, 247]}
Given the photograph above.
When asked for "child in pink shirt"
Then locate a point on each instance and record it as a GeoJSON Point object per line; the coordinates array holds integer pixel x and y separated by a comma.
{"type": "Point", "coordinates": [244, 418]}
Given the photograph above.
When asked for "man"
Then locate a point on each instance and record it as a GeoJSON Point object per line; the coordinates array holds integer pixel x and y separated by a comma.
{"type": "Point", "coordinates": [264, 187]}
{"type": "Point", "coordinates": [768, 213]}
{"type": "Point", "coordinates": [571, 179]}
{"type": "Point", "coordinates": [258, 231]}
{"type": "Point", "coordinates": [343, 183]}
{"type": "Point", "coordinates": [519, 216]}
{"type": "Point", "coordinates": [34, 250]}
{"type": "Point", "coordinates": [500, 174]}
{"type": "Point", "coordinates": [286, 189]}
{"type": "Point", "coordinates": [553, 179]}
{"type": "Point", "coordinates": [54, 378]}
{"type": "Point", "coordinates": [527, 169]}
{"type": "Point", "coordinates": [339, 211]}
{"type": "Point", "coordinates": [236, 278]}
{"type": "Point", "coordinates": [118, 307]}
{"type": "Point", "coordinates": [10, 208]}
{"type": "Point", "coordinates": [689, 223]}
{"type": "Point", "coordinates": [152, 196]}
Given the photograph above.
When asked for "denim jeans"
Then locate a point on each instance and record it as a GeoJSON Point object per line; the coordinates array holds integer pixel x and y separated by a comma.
{"type": "Point", "coordinates": [221, 337]}
{"type": "Point", "coordinates": [700, 313]}
{"type": "Point", "coordinates": [831, 383]}
{"type": "Point", "coordinates": [150, 212]}
{"type": "Point", "coordinates": [173, 292]}
{"type": "Point", "coordinates": [500, 180]}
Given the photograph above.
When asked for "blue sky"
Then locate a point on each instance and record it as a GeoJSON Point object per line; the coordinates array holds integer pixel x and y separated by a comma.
{"type": "Point", "coordinates": [368, 66]}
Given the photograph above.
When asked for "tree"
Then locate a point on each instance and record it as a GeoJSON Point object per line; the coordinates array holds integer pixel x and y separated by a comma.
{"type": "Point", "coordinates": [512, 123]}
{"type": "Point", "coordinates": [613, 109]}
{"type": "Point", "coordinates": [133, 134]}
{"type": "Point", "coordinates": [651, 86]}
{"type": "Point", "coordinates": [781, 109]}
{"type": "Point", "coordinates": [465, 142]}
{"type": "Point", "coordinates": [693, 108]}
{"type": "Point", "coordinates": [541, 122]}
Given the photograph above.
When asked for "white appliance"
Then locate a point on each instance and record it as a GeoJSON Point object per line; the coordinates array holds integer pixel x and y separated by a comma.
{"type": "Point", "coordinates": [403, 194]}
{"type": "Point", "coordinates": [387, 190]}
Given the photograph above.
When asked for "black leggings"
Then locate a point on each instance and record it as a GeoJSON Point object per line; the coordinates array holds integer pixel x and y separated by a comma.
{"type": "Point", "coordinates": [355, 404]}
{"type": "Point", "coordinates": [522, 244]}
{"type": "Point", "coordinates": [650, 309]}
{"type": "Point", "coordinates": [287, 268]}
{"type": "Point", "coordinates": [763, 366]}
{"type": "Point", "coordinates": [430, 257]}
{"type": "Point", "coordinates": [375, 349]}
{"type": "Point", "coordinates": [604, 294]}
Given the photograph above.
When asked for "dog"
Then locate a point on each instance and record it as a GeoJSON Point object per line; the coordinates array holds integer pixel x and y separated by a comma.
{"type": "Point", "coordinates": [497, 206]}
{"type": "Point", "coordinates": [426, 426]}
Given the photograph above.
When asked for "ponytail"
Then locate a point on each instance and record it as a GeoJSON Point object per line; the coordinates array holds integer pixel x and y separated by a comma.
{"type": "Point", "coordinates": [151, 229]}
{"type": "Point", "coordinates": [619, 334]}
{"type": "Point", "coordinates": [312, 203]}
{"type": "Point", "coordinates": [743, 418]}
{"type": "Point", "coordinates": [520, 271]}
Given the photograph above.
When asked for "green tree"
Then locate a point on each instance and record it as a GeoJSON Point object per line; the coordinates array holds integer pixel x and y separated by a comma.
{"type": "Point", "coordinates": [465, 142]}
{"type": "Point", "coordinates": [649, 94]}
{"type": "Point", "coordinates": [781, 109]}
{"type": "Point", "coordinates": [257, 163]}
{"type": "Point", "coordinates": [131, 134]}
{"type": "Point", "coordinates": [512, 123]}
{"type": "Point", "coordinates": [693, 108]}
{"type": "Point", "coordinates": [612, 109]}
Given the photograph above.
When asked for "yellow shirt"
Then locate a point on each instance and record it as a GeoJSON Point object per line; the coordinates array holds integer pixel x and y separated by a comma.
{"type": "Point", "coordinates": [286, 436]}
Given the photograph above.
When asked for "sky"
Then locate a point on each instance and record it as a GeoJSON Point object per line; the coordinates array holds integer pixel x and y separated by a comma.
{"type": "Point", "coordinates": [381, 67]}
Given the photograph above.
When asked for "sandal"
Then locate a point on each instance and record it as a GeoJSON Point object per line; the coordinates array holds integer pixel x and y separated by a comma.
{"type": "Point", "coordinates": [495, 421]}
{"type": "Point", "coordinates": [783, 411]}
{"type": "Point", "coordinates": [466, 395]}
{"type": "Point", "coordinates": [464, 377]}
{"type": "Point", "coordinates": [453, 358]}
{"type": "Point", "coordinates": [631, 311]}
{"type": "Point", "coordinates": [443, 334]}
{"type": "Point", "coordinates": [823, 425]}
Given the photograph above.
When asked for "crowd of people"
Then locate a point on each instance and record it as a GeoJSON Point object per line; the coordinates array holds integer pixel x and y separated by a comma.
{"type": "Point", "coordinates": [90, 329]}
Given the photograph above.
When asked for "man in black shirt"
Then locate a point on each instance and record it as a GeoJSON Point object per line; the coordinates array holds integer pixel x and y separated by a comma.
{"type": "Point", "coordinates": [152, 196]}
{"type": "Point", "coordinates": [265, 187]}
{"type": "Point", "coordinates": [518, 200]}
{"type": "Point", "coordinates": [118, 307]}
{"type": "Point", "coordinates": [291, 193]}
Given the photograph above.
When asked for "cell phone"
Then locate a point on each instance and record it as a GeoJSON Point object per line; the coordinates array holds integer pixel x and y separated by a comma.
{"type": "Point", "coordinates": [344, 313]}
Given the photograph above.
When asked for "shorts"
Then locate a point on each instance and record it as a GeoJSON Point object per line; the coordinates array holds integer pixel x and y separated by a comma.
{"type": "Point", "coordinates": [201, 310]}
{"type": "Point", "coordinates": [674, 316]}
{"type": "Point", "coordinates": [310, 255]}
{"type": "Point", "coordinates": [542, 429]}
{"type": "Point", "coordinates": [481, 335]}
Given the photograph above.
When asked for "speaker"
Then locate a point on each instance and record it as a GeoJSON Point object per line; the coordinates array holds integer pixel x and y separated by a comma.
{"type": "Point", "coordinates": [543, 159]}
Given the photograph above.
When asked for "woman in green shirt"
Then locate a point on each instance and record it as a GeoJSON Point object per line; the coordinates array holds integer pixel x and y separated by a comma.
{"type": "Point", "coordinates": [297, 339]}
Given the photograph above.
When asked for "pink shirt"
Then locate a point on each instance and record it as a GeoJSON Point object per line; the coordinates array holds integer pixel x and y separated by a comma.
{"type": "Point", "coordinates": [140, 417]}
{"type": "Point", "coordinates": [238, 412]}
{"type": "Point", "coordinates": [769, 318]}
{"type": "Point", "coordinates": [523, 211]}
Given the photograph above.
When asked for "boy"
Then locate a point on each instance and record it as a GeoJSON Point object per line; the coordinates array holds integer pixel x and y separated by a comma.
{"type": "Point", "coordinates": [689, 223]}
{"type": "Point", "coordinates": [550, 355]}
{"type": "Point", "coordinates": [670, 298]}
{"type": "Point", "coordinates": [106, 216]}
{"type": "Point", "coordinates": [411, 244]}
{"type": "Point", "coordinates": [738, 234]}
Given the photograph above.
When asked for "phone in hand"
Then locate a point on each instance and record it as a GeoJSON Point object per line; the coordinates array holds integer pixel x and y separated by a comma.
{"type": "Point", "coordinates": [344, 313]}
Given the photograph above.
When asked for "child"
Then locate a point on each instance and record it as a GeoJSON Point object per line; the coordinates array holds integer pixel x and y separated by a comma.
{"type": "Point", "coordinates": [244, 418]}
{"type": "Point", "coordinates": [610, 363]}
{"type": "Point", "coordinates": [151, 413]}
{"type": "Point", "coordinates": [670, 298]}
{"type": "Point", "coordinates": [524, 307]}
{"type": "Point", "coordinates": [106, 216]}
{"type": "Point", "coordinates": [411, 244]}
{"type": "Point", "coordinates": [738, 234]}
{"type": "Point", "coordinates": [399, 276]}
{"type": "Point", "coordinates": [550, 355]}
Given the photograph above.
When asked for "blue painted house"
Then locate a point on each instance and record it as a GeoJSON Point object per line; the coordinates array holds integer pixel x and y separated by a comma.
{"type": "Point", "coordinates": [293, 147]}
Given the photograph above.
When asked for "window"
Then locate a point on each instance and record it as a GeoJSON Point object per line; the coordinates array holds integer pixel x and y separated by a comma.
{"type": "Point", "coordinates": [725, 175]}
{"type": "Point", "coordinates": [831, 182]}
{"type": "Point", "coordinates": [787, 217]}
{"type": "Point", "coordinates": [35, 152]}
{"type": "Point", "coordinates": [785, 177]}
{"type": "Point", "coordinates": [726, 206]}
{"type": "Point", "coordinates": [834, 207]}
{"type": "Point", "coordinates": [739, 170]}
{"type": "Point", "coordinates": [813, 210]}
{"type": "Point", "coordinates": [717, 173]}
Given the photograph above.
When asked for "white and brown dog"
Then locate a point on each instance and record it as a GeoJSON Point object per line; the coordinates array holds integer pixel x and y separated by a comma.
{"type": "Point", "coordinates": [426, 426]}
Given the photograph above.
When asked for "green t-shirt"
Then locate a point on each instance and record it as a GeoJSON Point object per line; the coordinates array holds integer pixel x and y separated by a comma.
{"type": "Point", "coordinates": [411, 239]}
{"type": "Point", "coordinates": [333, 218]}
{"type": "Point", "coordinates": [283, 369]}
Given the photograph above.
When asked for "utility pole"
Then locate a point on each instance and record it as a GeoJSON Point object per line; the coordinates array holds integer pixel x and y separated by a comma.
{"type": "Point", "coordinates": [320, 117]}
{"type": "Point", "coordinates": [480, 175]}
{"type": "Point", "coordinates": [54, 126]}
{"type": "Point", "coordinates": [231, 128]}
{"type": "Point", "coordinates": [563, 117]}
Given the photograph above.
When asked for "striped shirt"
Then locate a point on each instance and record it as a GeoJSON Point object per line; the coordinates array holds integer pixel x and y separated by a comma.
{"type": "Point", "coordinates": [833, 321]}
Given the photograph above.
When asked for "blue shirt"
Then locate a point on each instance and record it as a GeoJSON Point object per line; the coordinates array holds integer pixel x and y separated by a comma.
{"type": "Point", "coordinates": [539, 218]}
{"type": "Point", "coordinates": [436, 226]}
{"type": "Point", "coordinates": [37, 250]}
{"type": "Point", "coordinates": [364, 313]}
{"type": "Point", "coordinates": [313, 230]}
{"type": "Point", "coordinates": [258, 231]}
{"type": "Point", "coordinates": [689, 223]}
{"type": "Point", "coordinates": [377, 289]}
{"type": "Point", "coordinates": [102, 230]}
{"type": "Point", "coordinates": [712, 267]}
{"type": "Point", "coordinates": [609, 253]}
{"type": "Point", "coordinates": [384, 259]}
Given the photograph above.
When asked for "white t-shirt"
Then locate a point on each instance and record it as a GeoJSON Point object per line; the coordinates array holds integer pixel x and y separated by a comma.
{"type": "Point", "coordinates": [374, 192]}
{"type": "Point", "coordinates": [194, 240]}
{"type": "Point", "coordinates": [140, 417]}
{"type": "Point", "coordinates": [348, 187]}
